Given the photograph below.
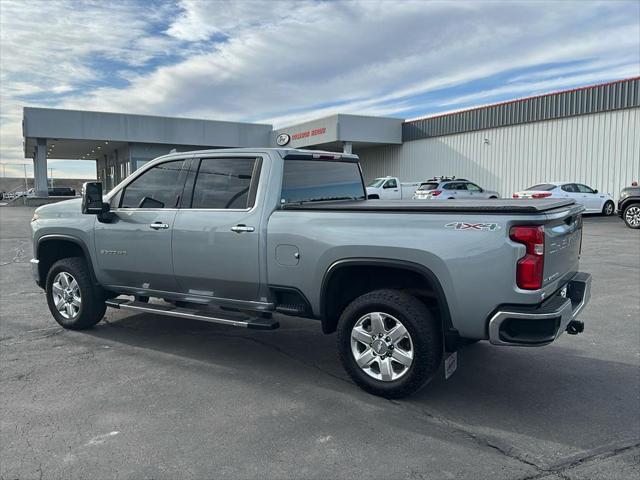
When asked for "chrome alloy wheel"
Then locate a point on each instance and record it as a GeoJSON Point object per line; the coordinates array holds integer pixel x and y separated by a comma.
{"type": "Point", "coordinates": [66, 295]}
{"type": "Point", "coordinates": [632, 216]}
{"type": "Point", "coordinates": [382, 346]}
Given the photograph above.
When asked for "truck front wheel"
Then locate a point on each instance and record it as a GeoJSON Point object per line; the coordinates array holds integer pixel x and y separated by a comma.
{"type": "Point", "coordinates": [74, 301]}
{"type": "Point", "coordinates": [389, 343]}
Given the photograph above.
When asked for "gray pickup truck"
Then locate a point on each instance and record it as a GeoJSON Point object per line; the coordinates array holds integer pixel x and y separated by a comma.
{"type": "Point", "coordinates": [234, 236]}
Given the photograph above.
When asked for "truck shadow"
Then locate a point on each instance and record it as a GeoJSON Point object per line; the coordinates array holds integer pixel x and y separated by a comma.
{"type": "Point", "coordinates": [509, 395]}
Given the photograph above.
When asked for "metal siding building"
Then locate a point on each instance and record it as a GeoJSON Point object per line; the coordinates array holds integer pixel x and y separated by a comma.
{"type": "Point", "coordinates": [589, 135]}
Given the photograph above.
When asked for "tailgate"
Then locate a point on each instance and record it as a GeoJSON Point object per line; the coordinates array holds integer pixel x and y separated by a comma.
{"type": "Point", "coordinates": [563, 241]}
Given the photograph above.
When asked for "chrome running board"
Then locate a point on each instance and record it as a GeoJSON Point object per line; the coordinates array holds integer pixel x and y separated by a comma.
{"type": "Point", "coordinates": [233, 319]}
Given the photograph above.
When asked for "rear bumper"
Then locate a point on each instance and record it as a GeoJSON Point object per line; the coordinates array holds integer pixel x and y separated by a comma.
{"type": "Point", "coordinates": [540, 324]}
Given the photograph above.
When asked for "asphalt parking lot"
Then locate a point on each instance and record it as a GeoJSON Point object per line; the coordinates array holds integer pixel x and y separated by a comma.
{"type": "Point", "coordinates": [140, 396]}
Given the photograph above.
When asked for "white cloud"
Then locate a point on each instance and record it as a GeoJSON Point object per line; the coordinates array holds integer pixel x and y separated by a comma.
{"type": "Point", "coordinates": [287, 61]}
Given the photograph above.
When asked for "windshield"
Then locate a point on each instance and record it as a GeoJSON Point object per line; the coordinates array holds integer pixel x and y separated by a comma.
{"type": "Point", "coordinates": [318, 180]}
{"type": "Point", "coordinates": [428, 186]}
{"type": "Point", "coordinates": [543, 186]}
{"type": "Point", "coordinates": [377, 182]}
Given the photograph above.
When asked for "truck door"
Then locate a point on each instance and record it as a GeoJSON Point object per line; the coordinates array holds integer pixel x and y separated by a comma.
{"type": "Point", "coordinates": [134, 249]}
{"type": "Point", "coordinates": [216, 231]}
{"type": "Point", "coordinates": [391, 189]}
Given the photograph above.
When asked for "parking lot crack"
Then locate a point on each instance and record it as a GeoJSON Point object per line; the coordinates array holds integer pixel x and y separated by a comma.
{"type": "Point", "coordinates": [561, 467]}
{"type": "Point", "coordinates": [25, 338]}
{"type": "Point", "coordinates": [478, 439]}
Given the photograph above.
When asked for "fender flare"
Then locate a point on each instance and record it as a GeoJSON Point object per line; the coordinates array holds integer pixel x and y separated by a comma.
{"type": "Point", "coordinates": [68, 238]}
{"type": "Point", "coordinates": [441, 298]}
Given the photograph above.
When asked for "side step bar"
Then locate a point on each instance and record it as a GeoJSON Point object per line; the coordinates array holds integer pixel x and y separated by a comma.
{"type": "Point", "coordinates": [229, 318]}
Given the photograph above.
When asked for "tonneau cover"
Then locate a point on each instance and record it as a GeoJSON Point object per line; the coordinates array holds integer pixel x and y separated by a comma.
{"type": "Point", "coordinates": [506, 205]}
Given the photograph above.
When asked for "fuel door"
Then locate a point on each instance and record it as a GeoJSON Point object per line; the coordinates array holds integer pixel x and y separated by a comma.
{"type": "Point", "coordinates": [287, 255]}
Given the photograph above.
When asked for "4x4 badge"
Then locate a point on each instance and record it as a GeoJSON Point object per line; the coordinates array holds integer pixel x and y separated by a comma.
{"type": "Point", "coordinates": [492, 227]}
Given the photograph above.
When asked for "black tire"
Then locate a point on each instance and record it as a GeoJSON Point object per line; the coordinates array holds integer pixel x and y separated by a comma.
{"type": "Point", "coordinates": [493, 198]}
{"type": "Point", "coordinates": [609, 208]}
{"type": "Point", "coordinates": [425, 334]}
{"type": "Point", "coordinates": [630, 215]}
{"type": "Point", "coordinates": [92, 307]}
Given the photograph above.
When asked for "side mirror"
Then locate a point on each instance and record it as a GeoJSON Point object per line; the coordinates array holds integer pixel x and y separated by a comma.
{"type": "Point", "coordinates": [92, 203]}
{"type": "Point", "coordinates": [595, 191]}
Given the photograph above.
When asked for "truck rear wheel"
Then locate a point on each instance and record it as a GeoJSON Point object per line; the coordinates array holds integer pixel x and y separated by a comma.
{"type": "Point", "coordinates": [389, 343]}
{"type": "Point", "coordinates": [74, 301]}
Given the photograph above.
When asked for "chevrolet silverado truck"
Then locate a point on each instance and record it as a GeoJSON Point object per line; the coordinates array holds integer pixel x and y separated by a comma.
{"type": "Point", "coordinates": [236, 236]}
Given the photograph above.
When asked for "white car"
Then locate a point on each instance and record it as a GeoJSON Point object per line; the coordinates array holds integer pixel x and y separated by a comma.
{"type": "Point", "coordinates": [390, 188]}
{"type": "Point", "coordinates": [591, 199]}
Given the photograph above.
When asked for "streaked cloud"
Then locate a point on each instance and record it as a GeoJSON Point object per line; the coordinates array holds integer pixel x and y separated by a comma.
{"type": "Point", "coordinates": [289, 61]}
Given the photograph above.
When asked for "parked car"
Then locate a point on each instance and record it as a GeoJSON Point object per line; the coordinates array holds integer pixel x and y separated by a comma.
{"type": "Point", "coordinates": [390, 188]}
{"type": "Point", "coordinates": [590, 199]}
{"type": "Point", "coordinates": [629, 206]}
{"type": "Point", "coordinates": [54, 192]}
{"type": "Point", "coordinates": [449, 188]}
{"type": "Point", "coordinates": [258, 231]}
{"type": "Point", "coordinates": [62, 192]}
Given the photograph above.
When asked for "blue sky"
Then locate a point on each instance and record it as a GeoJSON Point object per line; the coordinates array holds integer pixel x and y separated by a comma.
{"type": "Point", "coordinates": [282, 62]}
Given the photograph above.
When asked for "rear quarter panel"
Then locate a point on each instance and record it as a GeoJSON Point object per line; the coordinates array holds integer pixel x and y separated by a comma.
{"type": "Point", "coordinates": [475, 267]}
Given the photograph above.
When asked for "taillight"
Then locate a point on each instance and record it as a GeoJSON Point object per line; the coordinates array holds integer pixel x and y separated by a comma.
{"type": "Point", "coordinates": [515, 195]}
{"type": "Point", "coordinates": [435, 193]}
{"type": "Point", "coordinates": [541, 195]}
{"type": "Point", "coordinates": [529, 268]}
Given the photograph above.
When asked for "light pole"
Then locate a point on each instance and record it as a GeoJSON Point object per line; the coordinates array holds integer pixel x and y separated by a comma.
{"type": "Point", "coordinates": [51, 176]}
{"type": "Point", "coordinates": [26, 186]}
{"type": "Point", "coordinates": [24, 165]}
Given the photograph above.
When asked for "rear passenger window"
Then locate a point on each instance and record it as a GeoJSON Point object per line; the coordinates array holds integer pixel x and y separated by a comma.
{"type": "Point", "coordinates": [158, 187]}
{"type": "Point", "coordinates": [584, 188]}
{"type": "Point", "coordinates": [224, 183]}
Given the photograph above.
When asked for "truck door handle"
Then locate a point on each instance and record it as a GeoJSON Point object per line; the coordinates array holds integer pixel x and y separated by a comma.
{"type": "Point", "coordinates": [242, 228]}
{"type": "Point", "coordinates": [159, 226]}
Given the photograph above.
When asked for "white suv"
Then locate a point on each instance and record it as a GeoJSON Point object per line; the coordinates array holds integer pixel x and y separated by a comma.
{"type": "Point", "coordinates": [445, 188]}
